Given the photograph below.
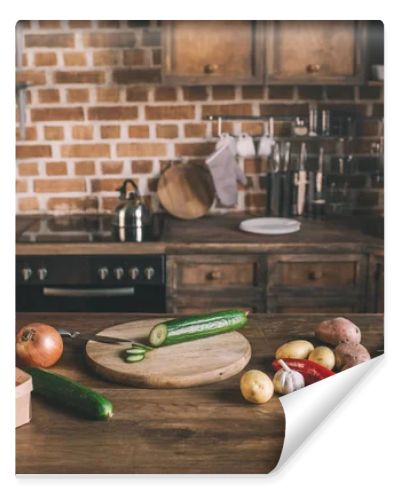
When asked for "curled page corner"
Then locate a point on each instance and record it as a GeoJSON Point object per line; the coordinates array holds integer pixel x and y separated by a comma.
{"type": "Point", "coordinates": [307, 408]}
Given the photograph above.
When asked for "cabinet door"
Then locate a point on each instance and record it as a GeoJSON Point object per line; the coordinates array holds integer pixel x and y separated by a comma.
{"type": "Point", "coordinates": [315, 51]}
{"type": "Point", "coordinates": [376, 284]}
{"type": "Point", "coordinates": [213, 52]}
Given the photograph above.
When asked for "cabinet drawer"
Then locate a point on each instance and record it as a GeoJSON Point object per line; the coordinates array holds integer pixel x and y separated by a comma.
{"type": "Point", "coordinates": [199, 303]}
{"type": "Point", "coordinates": [295, 304]}
{"type": "Point", "coordinates": [221, 271]}
{"type": "Point", "coordinates": [316, 272]}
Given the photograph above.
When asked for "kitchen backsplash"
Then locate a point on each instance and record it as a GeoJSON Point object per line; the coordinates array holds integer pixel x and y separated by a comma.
{"type": "Point", "coordinates": [98, 113]}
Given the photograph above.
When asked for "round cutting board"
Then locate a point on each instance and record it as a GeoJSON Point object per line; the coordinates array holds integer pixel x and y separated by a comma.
{"type": "Point", "coordinates": [186, 191]}
{"type": "Point", "coordinates": [181, 365]}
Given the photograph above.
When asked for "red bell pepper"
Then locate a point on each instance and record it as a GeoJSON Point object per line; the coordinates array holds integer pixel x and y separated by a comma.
{"type": "Point", "coordinates": [311, 371]}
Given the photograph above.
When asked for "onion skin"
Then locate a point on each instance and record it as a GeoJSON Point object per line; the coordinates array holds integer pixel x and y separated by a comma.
{"type": "Point", "coordinates": [39, 345]}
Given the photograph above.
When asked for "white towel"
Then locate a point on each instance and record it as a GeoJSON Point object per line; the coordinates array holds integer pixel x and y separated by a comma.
{"type": "Point", "coordinates": [225, 172]}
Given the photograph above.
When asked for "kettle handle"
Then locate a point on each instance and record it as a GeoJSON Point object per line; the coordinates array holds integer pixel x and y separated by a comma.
{"type": "Point", "coordinates": [122, 189]}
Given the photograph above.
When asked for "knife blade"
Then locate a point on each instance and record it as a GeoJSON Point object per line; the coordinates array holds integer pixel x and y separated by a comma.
{"type": "Point", "coordinates": [302, 180]}
{"type": "Point", "coordinates": [85, 337]}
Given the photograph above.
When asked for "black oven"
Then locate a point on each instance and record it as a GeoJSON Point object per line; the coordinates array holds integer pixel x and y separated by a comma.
{"type": "Point", "coordinates": [91, 283]}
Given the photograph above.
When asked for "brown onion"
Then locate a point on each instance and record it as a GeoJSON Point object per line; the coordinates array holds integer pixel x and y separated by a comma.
{"type": "Point", "coordinates": [39, 345]}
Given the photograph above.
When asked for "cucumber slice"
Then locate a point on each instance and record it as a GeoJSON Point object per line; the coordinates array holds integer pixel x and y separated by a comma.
{"type": "Point", "coordinates": [190, 328]}
{"type": "Point", "coordinates": [134, 358]}
{"type": "Point", "coordinates": [135, 350]}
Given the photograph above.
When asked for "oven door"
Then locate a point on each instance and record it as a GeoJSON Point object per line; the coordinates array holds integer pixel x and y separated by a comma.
{"type": "Point", "coordinates": [141, 298]}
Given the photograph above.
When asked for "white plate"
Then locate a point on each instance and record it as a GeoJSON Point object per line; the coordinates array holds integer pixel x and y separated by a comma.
{"type": "Point", "coordinates": [270, 225]}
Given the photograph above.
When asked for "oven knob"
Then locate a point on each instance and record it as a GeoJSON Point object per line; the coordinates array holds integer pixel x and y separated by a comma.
{"type": "Point", "coordinates": [133, 272]}
{"type": "Point", "coordinates": [42, 273]}
{"type": "Point", "coordinates": [149, 273]}
{"type": "Point", "coordinates": [102, 273]}
{"type": "Point", "coordinates": [118, 273]}
{"type": "Point", "coordinates": [26, 273]}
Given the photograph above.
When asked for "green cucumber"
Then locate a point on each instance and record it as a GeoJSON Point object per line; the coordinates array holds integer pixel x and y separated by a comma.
{"type": "Point", "coordinates": [135, 350]}
{"type": "Point", "coordinates": [134, 358]}
{"type": "Point", "coordinates": [179, 330]}
{"type": "Point", "coordinates": [66, 392]}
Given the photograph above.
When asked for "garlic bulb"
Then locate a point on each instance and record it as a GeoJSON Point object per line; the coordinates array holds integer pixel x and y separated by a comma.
{"type": "Point", "coordinates": [286, 380]}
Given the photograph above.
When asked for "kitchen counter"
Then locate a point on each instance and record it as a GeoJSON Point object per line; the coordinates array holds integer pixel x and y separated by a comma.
{"type": "Point", "coordinates": [220, 233]}
{"type": "Point", "coordinates": [208, 429]}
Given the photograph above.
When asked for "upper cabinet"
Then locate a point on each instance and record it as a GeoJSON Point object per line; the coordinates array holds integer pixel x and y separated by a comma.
{"type": "Point", "coordinates": [315, 51]}
{"type": "Point", "coordinates": [213, 52]}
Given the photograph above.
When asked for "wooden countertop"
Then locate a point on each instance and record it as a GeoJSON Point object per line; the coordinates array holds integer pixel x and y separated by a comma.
{"type": "Point", "coordinates": [208, 429]}
{"type": "Point", "coordinates": [220, 234]}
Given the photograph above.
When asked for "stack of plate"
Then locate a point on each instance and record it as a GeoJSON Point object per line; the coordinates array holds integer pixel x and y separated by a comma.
{"type": "Point", "coordinates": [270, 225]}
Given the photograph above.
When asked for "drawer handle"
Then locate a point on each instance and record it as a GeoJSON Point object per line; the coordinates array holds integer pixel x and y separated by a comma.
{"type": "Point", "coordinates": [315, 275]}
{"type": "Point", "coordinates": [313, 68]}
{"type": "Point", "coordinates": [209, 69]}
{"type": "Point", "coordinates": [215, 275]}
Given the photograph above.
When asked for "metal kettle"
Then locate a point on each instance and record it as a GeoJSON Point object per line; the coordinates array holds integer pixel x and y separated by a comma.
{"type": "Point", "coordinates": [132, 214]}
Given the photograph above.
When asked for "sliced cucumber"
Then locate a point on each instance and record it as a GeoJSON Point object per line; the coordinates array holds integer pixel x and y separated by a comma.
{"type": "Point", "coordinates": [136, 350]}
{"type": "Point", "coordinates": [134, 358]}
{"type": "Point", "coordinates": [190, 328]}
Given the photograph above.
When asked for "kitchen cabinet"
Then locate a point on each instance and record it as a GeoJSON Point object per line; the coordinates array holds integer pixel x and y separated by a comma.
{"type": "Point", "coordinates": [376, 284]}
{"type": "Point", "coordinates": [313, 52]}
{"type": "Point", "coordinates": [213, 52]}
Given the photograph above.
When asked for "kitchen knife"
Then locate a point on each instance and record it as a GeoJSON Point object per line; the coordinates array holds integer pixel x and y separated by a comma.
{"type": "Point", "coordinates": [302, 180]}
{"type": "Point", "coordinates": [275, 181]}
{"type": "Point", "coordinates": [85, 337]}
{"type": "Point", "coordinates": [286, 184]}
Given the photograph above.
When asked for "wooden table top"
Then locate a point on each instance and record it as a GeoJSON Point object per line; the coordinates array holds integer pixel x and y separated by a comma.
{"type": "Point", "coordinates": [208, 429]}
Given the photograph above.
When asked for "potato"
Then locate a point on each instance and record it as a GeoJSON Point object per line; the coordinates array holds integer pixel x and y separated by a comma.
{"type": "Point", "coordinates": [323, 356]}
{"type": "Point", "coordinates": [256, 387]}
{"type": "Point", "coordinates": [297, 349]}
{"type": "Point", "coordinates": [337, 330]}
{"type": "Point", "coordinates": [349, 355]}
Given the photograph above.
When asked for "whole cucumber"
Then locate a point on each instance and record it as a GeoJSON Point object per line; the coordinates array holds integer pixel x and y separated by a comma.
{"type": "Point", "coordinates": [70, 394]}
{"type": "Point", "coordinates": [190, 328]}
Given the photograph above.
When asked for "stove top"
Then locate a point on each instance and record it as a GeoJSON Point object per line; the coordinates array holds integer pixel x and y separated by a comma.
{"type": "Point", "coordinates": [86, 229]}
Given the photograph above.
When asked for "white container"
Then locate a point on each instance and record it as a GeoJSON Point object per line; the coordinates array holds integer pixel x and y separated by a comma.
{"type": "Point", "coordinates": [23, 389]}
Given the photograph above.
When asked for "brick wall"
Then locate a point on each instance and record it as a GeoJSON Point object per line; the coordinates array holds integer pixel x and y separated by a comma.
{"type": "Point", "coordinates": [97, 113]}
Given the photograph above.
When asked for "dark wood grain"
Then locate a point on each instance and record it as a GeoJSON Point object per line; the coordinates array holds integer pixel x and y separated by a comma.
{"type": "Point", "coordinates": [207, 429]}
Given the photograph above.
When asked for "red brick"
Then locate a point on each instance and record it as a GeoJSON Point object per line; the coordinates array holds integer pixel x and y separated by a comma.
{"type": "Point", "coordinates": [83, 132]}
{"type": "Point", "coordinates": [79, 24]}
{"type": "Point", "coordinates": [108, 94]}
{"type": "Point", "coordinates": [28, 204]}
{"type": "Point", "coordinates": [226, 127]}
{"type": "Point", "coordinates": [141, 149]}
{"type": "Point", "coordinates": [30, 134]}
{"type": "Point", "coordinates": [59, 185]}
{"type": "Point", "coordinates": [85, 150]}
{"type": "Point", "coordinates": [284, 109]}
{"type": "Point", "coordinates": [56, 114]}
{"type": "Point", "coordinates": [84, 168]}
{"type": "Point", "coordinates": [99, 185]}
{"type": "Point", "coordinates": [48, 95]}
{"type": "Point", "coordinates": [89, 76]}
{"type": "Point", "coordinates": [194, 149]}
{"type": "Point", "coordinates": [195, 93]}
{"type": "Point", "coordinates": [195, 129]}
{"type": "Point", "coordinates": [45, 59]}
{"type": "Point", "coordinates": [142, 166]}
{"type": "Point", "coordinates": [50, 40]}
{"type": "Point", "coordinates": [113, 113]}
{"type": "Point", "coordinates": [167, 131]}
{"type": "Point", "coordinates": [169, 112]}
{"type": "Point", "coordinates": [223, 92]}
{"type": "Point", "coordinates": [253, 165]}
{"type": "Point", "coordinates": [77, 95]}
{"type": "Point", "coordinates": [280, 92]}
{"type": "Point", "coordinates": [111, 39]}
{"type": "Point", "coordinates": [34, 151]}
{"type": "Point", "coordinates": [226, 109]}
{"type": "Point", "coordinates": [31, 76]}
{"type": "Point", "coordinates": [253, 92]}
{"type": "Point", "coordinates": [49, 24]}
{"type": "Point", "coordinates": [253, 128]}
{"type": "Point", "coordinates": [134, 57]}
{"type": "Point", "coordinates": [165, 94]}
{"type": "Point", "coordinates": [151, 38]}
{"type": "Point", "coordinates": [137, 94]}
{"type": "Point", "coordinates": [255, 200]}
{"type": "Point", "coordinates": [110, 131]}
{"type": "Point", "coordinates": [54, 133]}
{"type": "Point", "coordinates": [28, 169]}
{"type": "Point", "coordinates": [340, 92]}
{"type": "Point", "coordinates": [139, 75]}
{"type": "Point", "coordinates": [21, 186]}
{"type": "Point", "coordinates": [56, 168]}
{"type": "Point", "coordinates": [64, 204]}
{"type": "Point", "coordinates": [112, 167]}
{"type": "Point", "coordinates": [109, 203]}
{"type": "Point", "coordinates": [138, 131]}
{"type": "Point", "coordinates": [106, 57]}
{"type": "Point", "coordinates": [108, 24]}
{"type": "Point", "coordinates": [75, 59]}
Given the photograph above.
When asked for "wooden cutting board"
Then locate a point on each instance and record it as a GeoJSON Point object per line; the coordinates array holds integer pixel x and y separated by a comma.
{"type": "Point", "coordinates": [182, 365]}
{"type": "Point", "coordinates": [186, 191]}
